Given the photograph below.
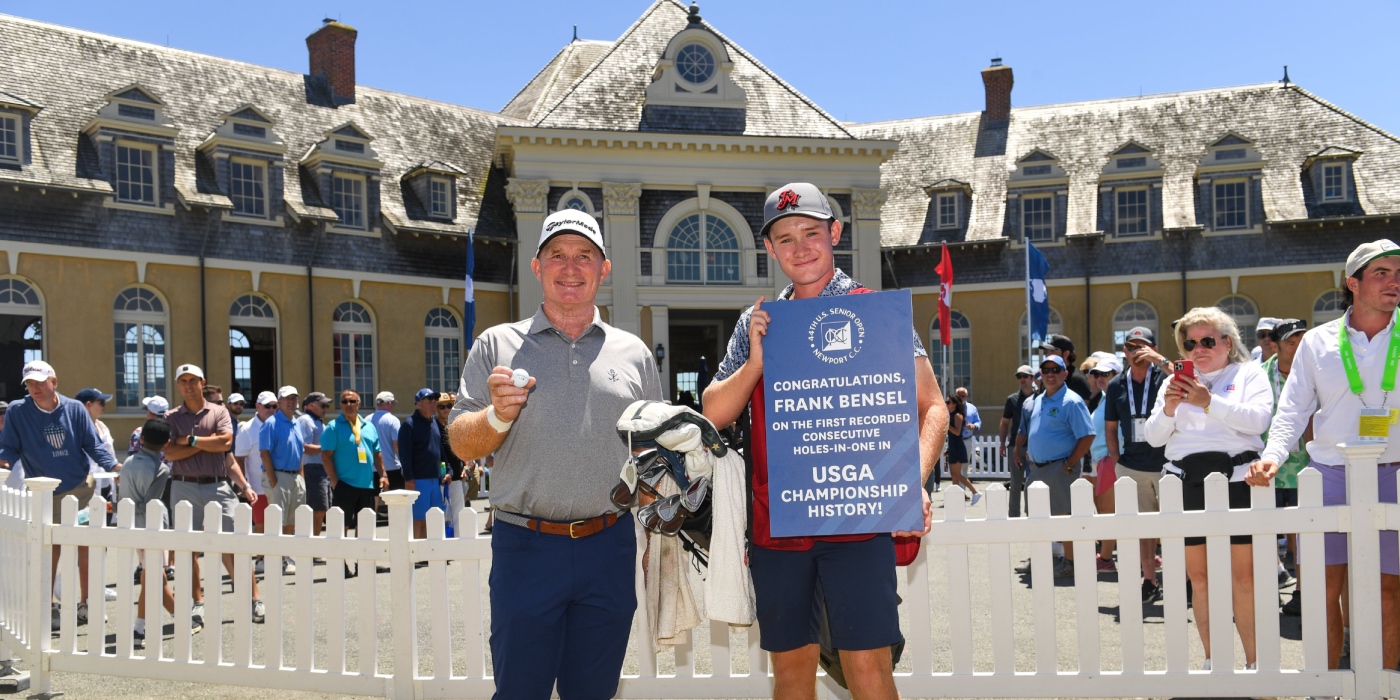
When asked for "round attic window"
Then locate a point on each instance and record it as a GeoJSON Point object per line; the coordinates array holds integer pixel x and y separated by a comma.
{"type": "Point", "coordinates": [695, 63]}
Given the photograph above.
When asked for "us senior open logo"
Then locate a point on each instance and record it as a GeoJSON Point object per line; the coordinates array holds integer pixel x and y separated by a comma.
{"type": "Point", "coordinates": [836, 335]}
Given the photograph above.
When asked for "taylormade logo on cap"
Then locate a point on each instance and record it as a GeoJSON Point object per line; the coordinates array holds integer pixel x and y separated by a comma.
{"type": "Point", "coordinates": [571, 221]}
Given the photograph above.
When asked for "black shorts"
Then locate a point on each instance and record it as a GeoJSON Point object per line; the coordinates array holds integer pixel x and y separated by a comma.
{"type": "Point", "coordinates": [1193, 497]}
{"type": "Point", "coordinates": [1285, 498]}
{"type": "Point", "coordinates": [351, 499]}
{"type": "Point", "coordinates": [396, 482]}
{"type": "Point", "coordinates": [856, 580]}
{"type": "Point", "coordinates": [957, 450]}
{"type": "Point", "coordinates": [318, 487]}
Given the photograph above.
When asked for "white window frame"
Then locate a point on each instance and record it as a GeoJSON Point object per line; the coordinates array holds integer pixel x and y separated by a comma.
{"type": "Point", "coordinates": [1327, 307]}
{"type": "Point", "coordinates": [14, 301]}
{"type": "Point", "coordinates": [161, 385]}
{"type": "Point", "coordinates": [442, 349]}
{"type": "Point", "coordinates": [703, 250]}
{"type": "Point", "coordinates": [1246, 315]}
{"type": "Point", "coordinates": [1341, 171]}
{"type": "Point", "coordinates": [714, 64]}
{"type": "Point", "coordinates": [263, 199]}
{"type": "Point", "coordinates": [951, 199]}
{"type": "Point", "coordinates": [359, 196]}
{"type": "Point", "coordinates": [11, 137]}
{"type": "Point", "coordinates": [1216, 214]}
{"type": "Point", "coordinates": [445, 211]}
{"type": "Point", "coordinates": [1129, 315]}
{"type": "Point", "coordinates": [343, 336]}
{"type": "Point", "coordinates": [1026, 213]}
{"type": "Point", "coordinates": [1119, 206]}
{"type": "Point", "coordinates": [242, 315]}
{"type": "Point", "coordinates": [154, 166]}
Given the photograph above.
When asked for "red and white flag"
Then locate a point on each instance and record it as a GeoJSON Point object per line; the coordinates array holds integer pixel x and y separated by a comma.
{"type": "Point", "coordinates": [945, 297]}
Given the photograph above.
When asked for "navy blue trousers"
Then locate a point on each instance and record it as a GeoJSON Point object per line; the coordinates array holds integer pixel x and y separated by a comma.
{"type": "Point", "coordinates": [561, 609]}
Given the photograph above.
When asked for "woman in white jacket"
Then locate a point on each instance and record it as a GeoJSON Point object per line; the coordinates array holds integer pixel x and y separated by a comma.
{"type": "Point", "coordinates": [1213, 421]}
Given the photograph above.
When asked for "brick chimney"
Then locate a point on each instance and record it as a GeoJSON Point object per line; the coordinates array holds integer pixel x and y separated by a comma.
{"type": "Point", "coordinates": [332, 50]}
{"type": "Point", "coordinates": [998, 81]}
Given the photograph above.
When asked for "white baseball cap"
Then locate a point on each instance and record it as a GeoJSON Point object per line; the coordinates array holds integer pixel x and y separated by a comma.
{"type": "Point", "coordinates": [286, 391]}
{"type": "Point", "coordinates": [266, 398]}
{"type": "Point", "coordinates": [38, 370]}
{"type": "Point", "coordinates": [156, 404]}
{"type": "Point", "coordinates": [1366, 252]}
{"type": "Point", "coordinates": [1108, 364]}
{"type": "Point", "coordinates": [182, 370]}
{"type": "Point", "coordinates": [384, 397]}
{"type": "Point", "coordinates": [235, 397]}
{"type": "Point", "coordinates": [571, 221]}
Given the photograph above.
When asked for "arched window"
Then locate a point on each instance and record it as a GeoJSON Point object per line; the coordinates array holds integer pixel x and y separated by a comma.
{"type": "Point", "coordinates": [959, 353]}
{"type": "Point", "coordinates": [1129, 316]}
{"type": "Point", "coordinates": [352, 348]}
{"type": "Point", "coordinates": [252, 331]}
{"type": "Point", "coordinates": [695, 63]}
{"type": "Point", "coordinates": [1328, 307]}
{"type": "Point", "coordinates": [702, 249]}
{"type": "Point", "coordinates": [1246, 316]}
{"type": "Point", "coordinates": [442, 345]}
{"type": "Point", "coordinates": [1056, 326]}
{"type": "Point", "coordinates": [139, 322]}
{"type": "Point", "coordinates": [21, 333]}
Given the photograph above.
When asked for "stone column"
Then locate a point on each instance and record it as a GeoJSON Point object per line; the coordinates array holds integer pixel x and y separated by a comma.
{"type": "Point", "coordinates": [622, 233]}
{"type": "Point", "coordinates": [865, 221]}
{"type": "Point", "coordinates": [529, 198]}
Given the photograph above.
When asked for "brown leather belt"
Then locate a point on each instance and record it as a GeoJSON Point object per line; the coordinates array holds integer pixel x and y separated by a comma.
{"type": "Point", "coordinates": [197, 479]}
{"type": "Point", "coordinates": [574, 530]}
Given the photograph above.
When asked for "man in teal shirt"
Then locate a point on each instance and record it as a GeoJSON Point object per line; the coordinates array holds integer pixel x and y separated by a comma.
{"type": "Point", "coordinates": [350, 453]}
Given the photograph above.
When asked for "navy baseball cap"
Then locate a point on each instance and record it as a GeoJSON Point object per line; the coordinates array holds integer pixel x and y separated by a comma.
{"type": "Point", "coordinates": [91, 394]}
{"type": "Point", "coordinates": [798, 198]}
{"type": "Point", "coordinates": [426, 393]}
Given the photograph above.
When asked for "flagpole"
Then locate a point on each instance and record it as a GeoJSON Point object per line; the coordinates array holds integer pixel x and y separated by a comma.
{"type": "Point", "coordinates": [1030, 339]}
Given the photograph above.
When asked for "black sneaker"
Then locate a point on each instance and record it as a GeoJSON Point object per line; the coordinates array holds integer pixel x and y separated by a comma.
{"type": "Point", "coordinates": [138, 639]}
{"type": "Point", "coordinates": [1294, 606]}
{"type": "Point", "coordinates": [1151, 592]}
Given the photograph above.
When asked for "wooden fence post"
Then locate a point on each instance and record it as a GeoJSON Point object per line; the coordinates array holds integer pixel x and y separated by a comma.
{"type": "Point", "coordinates": [1364, 566]}
{"type": "Point", "coordinates": [40, 586]}
{"type": "Point", "coordinates": [403, 617]}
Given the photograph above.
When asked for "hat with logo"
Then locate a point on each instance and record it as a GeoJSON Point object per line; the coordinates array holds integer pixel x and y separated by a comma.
{"type": "Point", "coordinates": [1026, 370]}
{"type": "Point", "coordinates": [571, 221]}
{"type": "Point", "coordinates": [1267, 323]}
{"type": "Point", "coordinates": [426, 393]}
{"type": "Point", "coordinates": [1142, 333]}
{"type": "Point", "coordinates": [1058, 342]}
{"type": "Point", "coordinates": [236, 397]}
{"type": "Point", "coordinates": [91, 394]}
{"type": "Point", "coordinates": [266, 398]}
{"type": "Point", "coordinates": [316, 397]}
{"type": "Point", "coordinates": [1055, 359]}
{"type": "Point", "coordinates": [38, 370]}
{"type": "Point", "coordinates": [1366, 252]}
{"type": "Point", "coordinates": [1288, 327]}
{"type": "Point", "coordinates": [194, 370]}
{"type": "Point", "coordinates": [798, 198]}
{"type": "Point", "coordinates": [286, 391]}
{"type": "Point", "coordinates": [156, 404]}
{"type": "Point", "coordinates": [1108, 364]}
{"type": "Point", "coordinates": [384, 397]}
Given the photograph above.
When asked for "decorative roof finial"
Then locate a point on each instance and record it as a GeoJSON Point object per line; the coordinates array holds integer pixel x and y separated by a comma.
{"type": "Point", "coordinates": [575, 32]}
{"type": "Point", "coordinates": [694, 13]}
{"type": "Point", "coordinates": [1285, 76]}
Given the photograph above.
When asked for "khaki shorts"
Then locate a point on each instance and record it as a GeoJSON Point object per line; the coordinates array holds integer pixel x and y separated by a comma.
{"type": "Point", "coordinates": [82, 491]}
{"type": "Point", "coordinates": [1148, 488]}
{"type": "Point", "coordinates": [289, 493]}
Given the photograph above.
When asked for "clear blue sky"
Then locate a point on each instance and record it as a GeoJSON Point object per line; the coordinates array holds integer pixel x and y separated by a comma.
{"type": "Point", "coordinates": [861, 61]}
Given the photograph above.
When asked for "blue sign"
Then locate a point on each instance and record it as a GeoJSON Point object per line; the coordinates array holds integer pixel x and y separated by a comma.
{"type": "Point", "coordinates": [842, 414]}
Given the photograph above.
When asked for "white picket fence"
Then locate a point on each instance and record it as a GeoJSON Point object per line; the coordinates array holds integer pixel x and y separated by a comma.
{"type": "Point", "coordinates": [987, 462]}
{"type": "Point", "coordinates": [355, 618]}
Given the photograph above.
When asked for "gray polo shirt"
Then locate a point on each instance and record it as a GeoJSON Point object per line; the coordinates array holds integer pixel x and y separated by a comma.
{"type": "Point", "coordinates": [563, 455]}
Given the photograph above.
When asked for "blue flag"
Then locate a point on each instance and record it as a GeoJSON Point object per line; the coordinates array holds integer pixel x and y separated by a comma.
{"type": "Point", "coordinates": [469, 298]}
{"type": "Point", "coordinates": [1038, 296]}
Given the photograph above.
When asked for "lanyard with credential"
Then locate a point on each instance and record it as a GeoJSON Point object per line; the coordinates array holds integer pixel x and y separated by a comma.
{"type": "Point", "coordinates": [1392, 363]}
{"type": "Point", "coordinates": [1140, 411]}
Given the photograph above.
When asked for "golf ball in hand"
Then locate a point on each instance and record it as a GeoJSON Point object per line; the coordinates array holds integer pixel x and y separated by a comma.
{"type": "Point", "coordinates": [520, 377]}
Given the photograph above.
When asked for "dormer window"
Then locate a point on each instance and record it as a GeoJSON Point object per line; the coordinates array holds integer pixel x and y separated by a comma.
{"type": "Point", "coordinates": [948, 210]}
{"type": "Point", "coordinates": [348, 200]}
{"type": "Point", "coordinates": [248, 187]}
{"type": "Point", "coordinates": [1334, 182]}
{"type": "Point", "coordinates": [136, 173]}
{"type": "Point", "coordinates": [430, 193]}
{"type": "Point", "coordinates": [1232, 204]}
{"type": "Point", "coordinates": [1229, 191]}
{"type": "Point", "coordinates": [247, 157]}
{"type": "Point", "coordinates": [1230, 154]}
{"type": "Point", "coordinates": [133, 109]}
{"type": "Point", "coordinates": [15, 113]}
{"type": "Point", "coordinates": [695, 70]}
{"type": "Point", "coordinates": [9, 138]}
{"type": "Point", "coordinates": [439, 197]}
{"type": "Point", "coordinates": [695, 64]}
{"type": "Point", "coordinates": [1038, 165]}
{"type": "Point", "coordinates": [249, 130]}
{"type": "Point", "coordinates": [1130, 192]}
{"type": "Point", "coordinates": [1130, 163]}
{"type": "Point", "coordinates": [345, 168]}
{"type": "Point", "coordinates": [349, 146]}
{"type": "Point", "coordinates": [134, 112]}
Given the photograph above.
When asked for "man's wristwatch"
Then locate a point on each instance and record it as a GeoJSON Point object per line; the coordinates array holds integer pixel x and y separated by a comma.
{"type": "Point", "coordinates": [191, 441]}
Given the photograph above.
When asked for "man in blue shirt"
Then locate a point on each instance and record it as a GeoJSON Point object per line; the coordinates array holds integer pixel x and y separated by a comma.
{"type": "Point", "coordinates": [55, 437]}
{"type": "Point", "coordinates": [281, 448]}
{"type": "Point", "coordinates": [972, 420]}
{"type": "Point", "coordinates": [387, 425]}
{"type": "Point", "coordinates": [420, 453]}
{"type": "Point", "coordinates": [1056, 432]}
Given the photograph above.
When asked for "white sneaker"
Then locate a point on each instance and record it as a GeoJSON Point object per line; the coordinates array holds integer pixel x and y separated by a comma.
{"type": "Point", "coordinates": [288, 568]}
{"type": "Point", "coordinates": [976, 497]}
{"type": "Point", "coordinates": [1207, 666]}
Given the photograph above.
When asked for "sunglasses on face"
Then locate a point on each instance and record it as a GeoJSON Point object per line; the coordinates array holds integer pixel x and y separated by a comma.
{"type": "Point", "coordinates": [1207, 342]}
{"type": "Point", "coordinates": [1023, 376]}
{"type": "Point", "coordinates": [270, 406]}
{"type": "Point", "coordinates": [444, 407]}
{"type": "Point", "coordinates": [1052, 369]}
{"type": "Point", "coordinates": [349, 401]}
{"type": "Point", "coordinates": [1262, 334]}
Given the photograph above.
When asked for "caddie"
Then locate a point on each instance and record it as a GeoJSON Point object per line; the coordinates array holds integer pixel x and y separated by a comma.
{"type": "Point", "coordinates": [563, 556]}
{"type": "Point", "coordinates": [856, 573]}
{"type": "Point", "coordinates": [1344, 373]}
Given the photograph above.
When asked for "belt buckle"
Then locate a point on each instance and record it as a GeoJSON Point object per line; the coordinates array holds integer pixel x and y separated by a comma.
{"type": "Point", "coordinates": [572, 536]}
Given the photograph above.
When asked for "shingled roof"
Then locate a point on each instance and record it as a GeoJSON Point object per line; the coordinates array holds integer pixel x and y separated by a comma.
{"type": "Point", "coordinates": [554, 80]}
{"type": "Point", "coordinates": [69, 72]}
{"type": "Point", "coordinates": [1287, 124]}
{"type": "Point", "coordinates": [611, 93]}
